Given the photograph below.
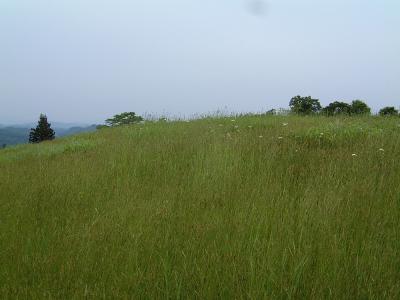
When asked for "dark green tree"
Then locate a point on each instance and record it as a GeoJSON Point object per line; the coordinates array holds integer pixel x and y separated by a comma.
{"type": "Point", "coordinates": [125, 118]}
{"type": "Point", "coordinates": [359, 107]}
{"type": "Point", "coordinates": [388, 111]}
{"type": "Point", "coordinates": [304, 105]}
{"type": "Point", "coordinates": [42, 132]}
{"type": "Point", "coordinates": [337, 108]}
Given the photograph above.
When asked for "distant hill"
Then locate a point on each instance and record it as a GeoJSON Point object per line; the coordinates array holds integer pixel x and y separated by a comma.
{"type": "Point", "coordinates": [17, 134]}
{"type": "Point", "coordinates": [13, 136]}
{"type": "Point", "coordinates": [58, 125]}
{"type": "Point", "coordinates": [73, 130]}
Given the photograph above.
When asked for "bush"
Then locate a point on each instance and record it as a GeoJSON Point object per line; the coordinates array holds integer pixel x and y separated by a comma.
{"type": "Point", "coordinates": [359, 107]}
{"type": "Point", "coordinates": [337, 108]}
{"type": "Point", "coordinates": [388, 111]}
{"type": "Point", "coordinates": [125, 118]}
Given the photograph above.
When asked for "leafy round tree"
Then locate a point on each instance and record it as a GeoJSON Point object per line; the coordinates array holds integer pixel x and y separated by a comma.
{"type": "Point", "coordinates": [304, 105]}
{"type": "Point", "coordinates": [125, 118]}
{"type": "Point", "coordinates": [337, 108]}
{"type": "Point", "coordinates": [388, 111]}
{"type": "Point", "coordinates": [42, 132]}
{"type": "Point", "coordinates": [359, 107]}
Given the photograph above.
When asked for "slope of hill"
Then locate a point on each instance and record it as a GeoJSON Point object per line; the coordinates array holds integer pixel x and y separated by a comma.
{"type": "Point", "coordinates": [250, 207]}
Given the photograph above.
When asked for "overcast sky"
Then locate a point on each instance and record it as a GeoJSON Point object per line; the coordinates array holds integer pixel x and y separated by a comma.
{"type": "Point", "coordinates": [85, 60]}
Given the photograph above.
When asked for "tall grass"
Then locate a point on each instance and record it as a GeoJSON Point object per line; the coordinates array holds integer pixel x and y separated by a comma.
{"type": "Point", "coordinates": [231, 208]}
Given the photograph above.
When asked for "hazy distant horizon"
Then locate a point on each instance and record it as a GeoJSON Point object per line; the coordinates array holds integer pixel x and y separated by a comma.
{"type": "Point", "coordinates": [54, 123]}
{"type": "Point", "coordinates": [152, 115]}
{"type": "Point", "coordinates": [84, 61]}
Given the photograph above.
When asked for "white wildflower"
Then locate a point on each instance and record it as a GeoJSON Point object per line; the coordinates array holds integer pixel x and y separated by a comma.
{"type": "Point", "coordinates": [381, 149]}
{"type": "Point", "coordinates": [280, 138]}
{"type": "Point", "coordinates": [285, 124]}
{"type": "Point", "coordinates": [354, 155]}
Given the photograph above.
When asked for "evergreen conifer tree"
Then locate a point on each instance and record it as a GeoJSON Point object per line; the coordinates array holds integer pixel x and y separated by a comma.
{"type": "Point", "coordinates": [42, 132]}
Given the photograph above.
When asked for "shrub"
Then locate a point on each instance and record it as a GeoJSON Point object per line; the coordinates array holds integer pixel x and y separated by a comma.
{"type": "Point", "coordinates": [125, 118]}
{"type": "Point", "coordinates": [359, 107]}
{"type": "Point", "coordinates": [388, 111]}
{"type": "Point", "coordinates": [337, 108]}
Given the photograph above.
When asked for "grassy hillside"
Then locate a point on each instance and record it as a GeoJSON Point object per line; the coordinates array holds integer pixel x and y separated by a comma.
{"type": "Point", "coordinates": [239, 208]}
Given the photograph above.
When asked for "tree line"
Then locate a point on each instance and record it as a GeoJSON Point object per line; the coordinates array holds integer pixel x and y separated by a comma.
{"type": "Point", "coordinates": [308, 105]}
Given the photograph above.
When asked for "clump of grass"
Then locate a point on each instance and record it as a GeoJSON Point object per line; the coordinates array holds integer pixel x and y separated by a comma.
{"type": "Point", "coordinates": [258, 207]}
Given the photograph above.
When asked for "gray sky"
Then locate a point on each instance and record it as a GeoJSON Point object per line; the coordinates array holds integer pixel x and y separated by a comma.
{"type": "Point", "coordinates": [85, 60]}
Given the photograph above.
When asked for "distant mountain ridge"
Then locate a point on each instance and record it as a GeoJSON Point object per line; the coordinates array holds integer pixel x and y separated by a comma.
{"type": "Point", "coordinates": [73, 130]}
{"type": "Point", "coordinates": [13, 136]}
{"type": "Point", "coordinates": [59, 125]}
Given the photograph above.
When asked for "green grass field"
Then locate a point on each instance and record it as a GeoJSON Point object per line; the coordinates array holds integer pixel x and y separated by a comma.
{"type": "Point", "coordinates": [218, 208]}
